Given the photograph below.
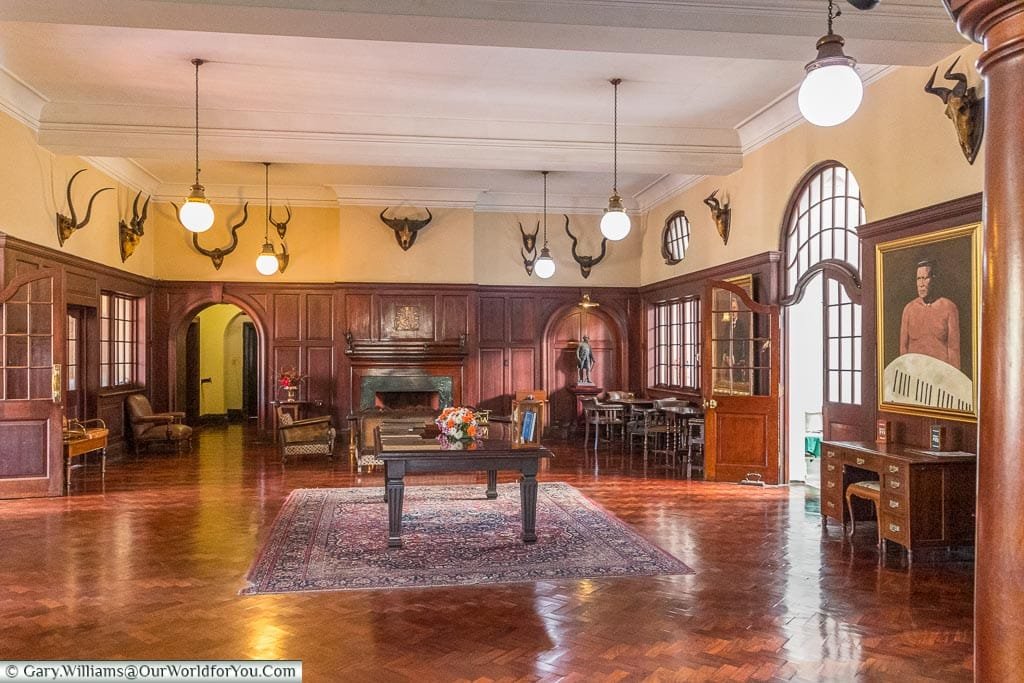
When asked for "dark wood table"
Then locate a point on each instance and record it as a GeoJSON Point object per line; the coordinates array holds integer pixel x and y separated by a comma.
{"type": "Point", "coordinates": [406, 450]}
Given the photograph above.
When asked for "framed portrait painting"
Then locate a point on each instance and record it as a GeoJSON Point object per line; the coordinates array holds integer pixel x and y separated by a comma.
{"type": "Point", "coordinates": [928, 303]}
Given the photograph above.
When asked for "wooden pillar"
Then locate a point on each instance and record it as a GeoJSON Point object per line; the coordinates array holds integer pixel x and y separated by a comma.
{"type": "Point", "coordinates": [999, 574]}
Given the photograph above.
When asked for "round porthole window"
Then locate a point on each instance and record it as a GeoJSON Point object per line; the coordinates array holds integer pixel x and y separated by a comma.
{"type": "Point", "coordinates": [675, 238]}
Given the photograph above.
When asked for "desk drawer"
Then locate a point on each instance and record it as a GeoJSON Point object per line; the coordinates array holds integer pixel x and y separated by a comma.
{"type": "Point", "coordinates": [895, 505]}
{"type": "Point", "coordinates": [863, 461]}
{"type": "Point", "coordinates": [832, 506]}
{"type": "Point", "coordinates": [894, 483]}
{"type": "Point", "coordinates": [896, 528]}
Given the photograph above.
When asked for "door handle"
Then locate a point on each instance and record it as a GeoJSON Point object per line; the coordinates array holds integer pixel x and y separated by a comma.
{"type": "Point", "coordinates": [55, 383]}
{"type": "Point", "coordinates": [710, 404]}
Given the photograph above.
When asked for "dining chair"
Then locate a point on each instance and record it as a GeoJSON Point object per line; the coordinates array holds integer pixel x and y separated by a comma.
{"type": "Point", "coordinates": [601, 415]}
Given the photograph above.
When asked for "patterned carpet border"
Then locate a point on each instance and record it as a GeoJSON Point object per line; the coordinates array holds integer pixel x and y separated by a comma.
{"type": "Point", "coordinates": [336, 539]}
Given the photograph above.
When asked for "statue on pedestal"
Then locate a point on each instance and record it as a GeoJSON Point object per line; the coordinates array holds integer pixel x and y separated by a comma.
{"type": "Point", "coordinates": [584, 361]}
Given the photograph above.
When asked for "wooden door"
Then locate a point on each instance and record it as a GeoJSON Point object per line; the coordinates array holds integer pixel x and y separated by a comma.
{"type": "Point", "coordinates": [250, 371]}
{"type": "Point", "coordinates": [192, 384]}
{"type": "Point", "coordinates": [32, 338]}
{"type": "Point", "coordinates": [845, 416]}
{"type": "Point", "coordinates": [740, 385]}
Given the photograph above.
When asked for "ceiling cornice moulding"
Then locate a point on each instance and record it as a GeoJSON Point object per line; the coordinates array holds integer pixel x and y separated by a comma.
{"type": "Point", "coordinates": [391, 195]}
{"type": "Point", "coordinates": [20, 101]}
{"type": "Point", "coordinates": [127, 172]}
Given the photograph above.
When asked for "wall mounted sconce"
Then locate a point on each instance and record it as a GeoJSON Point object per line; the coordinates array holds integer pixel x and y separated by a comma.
{"type": "Point", "coordinates": [586, 303]}
{"type": "Point", "coordinates": [405, 229]}
{"type": "Point", "coordinates": [721, 214]}
{"type": "Point", "coordinates": [130, 233]}
{"type": "Point", "coordinates": [963, 107]}
{"type": "Point", "coordinates": [67, 225]}
{"type": "Point", "coordinates": [217, 255]}
{"type": "Point", "coordinates": [586, 262]}
{"type": "Point", "coordinates": [832, 90]}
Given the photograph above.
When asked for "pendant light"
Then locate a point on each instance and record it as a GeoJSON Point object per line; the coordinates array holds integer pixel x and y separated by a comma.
{"type": "Point", "coordinates": [615, 222]}
{"type": "Point", "coordinates": [544, 267]}
{"type": "Point", "coordinates": [196, 214]}
{"type": "Point", "coordinates": [266, 262]}
{"type": "Point", "coordinates": [832, 89]}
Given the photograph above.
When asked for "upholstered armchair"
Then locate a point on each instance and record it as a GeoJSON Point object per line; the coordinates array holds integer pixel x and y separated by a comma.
{"type": "Point", "coordinates": [312, 436]}
{"type": "Point", "coordinates": [148, 427]}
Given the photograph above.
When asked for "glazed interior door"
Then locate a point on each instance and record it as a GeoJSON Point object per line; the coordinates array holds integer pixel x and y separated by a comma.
{"type": "Point", "coordinates": [845, 415]}
{"type": "Point", "coordinates": [740, 385]}
{"type": "Point", "coordinates": [74, 364]}
{"type": "Point", "coordinates": [32, 338]}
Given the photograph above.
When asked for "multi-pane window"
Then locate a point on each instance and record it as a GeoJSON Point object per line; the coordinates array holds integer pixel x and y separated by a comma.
{"type": "Point", "coordinates": [675, 238]}
{"type": "Point", "coordinates": [823, 223]}
{"type": "Point", "coordinates": [844, 345]}
{"type": "Point", "coordinates": [677, 337]}
{"type": "Point", "coordinates": [119, 340]}
{"type": "Point", "coordinates": [72, 353]}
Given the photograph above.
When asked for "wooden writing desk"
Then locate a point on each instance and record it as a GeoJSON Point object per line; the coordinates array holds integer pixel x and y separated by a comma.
{"type": "Point", "coordinates": [82, 439]}
{"type": "Point", "coordinates": [927, 501]}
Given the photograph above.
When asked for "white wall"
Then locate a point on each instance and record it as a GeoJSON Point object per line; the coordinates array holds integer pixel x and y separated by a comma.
{"type": "Point", "coordinates": [805, 359]}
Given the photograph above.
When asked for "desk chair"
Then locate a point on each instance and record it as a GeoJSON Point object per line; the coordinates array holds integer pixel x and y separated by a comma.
{"type": "Point", "coordinates": [868, 490]}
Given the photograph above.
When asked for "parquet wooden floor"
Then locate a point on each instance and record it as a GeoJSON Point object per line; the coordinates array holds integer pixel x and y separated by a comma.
{"type": "Point", "coordinates": [149, 567]}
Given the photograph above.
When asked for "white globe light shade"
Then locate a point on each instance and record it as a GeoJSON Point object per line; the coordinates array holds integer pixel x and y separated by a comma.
{"type": "Point", "coordinates": [196, 215]}
{"type": "Point", "coordinates": [266, 262]}
{"type": "Point", "coordinates": [615, 224]}
{"type": "Point", "coordinates": [544, 267]}
{"type": "Point", "coordinates": [830, 94]}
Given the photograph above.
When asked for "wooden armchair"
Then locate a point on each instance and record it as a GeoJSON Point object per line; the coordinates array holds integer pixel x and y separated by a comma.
{"type": "Point", "coordinates": [148, 427]}
{"type": "Point", "coordinates": [312, 436]}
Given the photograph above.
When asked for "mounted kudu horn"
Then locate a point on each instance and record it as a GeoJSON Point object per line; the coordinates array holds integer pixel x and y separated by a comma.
{"type": "Point", "coordinates": [529, 247]}
{"type": "Point", "coordinates": [721, 214]}
{"type": "Point", "coordinates": [66, 225]}
{"type": "Point", "coordinates": [586, 262]}
{"type": "Point", "coordinates": [405, 228]}
{"type": "Point", "coordinates": [963, 107]}
{"type": "Point", "coordinates": [131, 232]}
{"type": "Point", "coordinates": [217, 255]}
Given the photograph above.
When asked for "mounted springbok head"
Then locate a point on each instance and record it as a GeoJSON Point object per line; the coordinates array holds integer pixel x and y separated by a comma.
{"type": "Point", "coordinates": [131, 232]}
{"type": "Point", "coordinates": [529, 239]}
{"type": "Point", "coordinates": [963, 107]}
{"type": "Point", "coordinates": [405, 229]}
{"type": "Point", "coordinates": [282, 226]}
{"type": "Point", "coordinates": [528, 262]}
{"type": "Point", "coordinates": [586, 262]}
{"type": "Point", "coordinates": [217, 255]}
{"type": "Point", "coordinates": [722, 215]}
{"type": "Point", "coordinates": [66, 225]}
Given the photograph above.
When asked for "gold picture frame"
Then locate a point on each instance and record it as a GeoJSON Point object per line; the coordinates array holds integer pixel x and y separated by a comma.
{"type": "Point", "coordinates": [732, 340]}
{"type": "Point", "coordinates": [927, 313]}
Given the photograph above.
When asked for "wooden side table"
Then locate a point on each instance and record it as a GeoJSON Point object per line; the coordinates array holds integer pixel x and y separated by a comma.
{"type": "Point", "coordinates": [80, 439]}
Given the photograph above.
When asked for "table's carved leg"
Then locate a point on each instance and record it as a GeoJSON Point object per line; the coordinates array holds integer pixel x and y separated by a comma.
{"type": "Point", "coordinates": [492, 484]}
{"type": "Point", "coordinates": [528, 502]}
{"type": "Point", "coordinates": [394, 491]}
{"type": "Point", "coordinates": [67, 475]}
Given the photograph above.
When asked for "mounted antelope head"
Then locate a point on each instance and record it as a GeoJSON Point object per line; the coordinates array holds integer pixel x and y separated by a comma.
{"type": "Point", "coordinates": [722, 215]}
{"type": "Point", "coordinates": [66, 225]}
{"type": "Point", "coordinates": [282, 226]}
{"type": "Point", "coordinates": [529, 239]}
{"type": "Point", "coordinates": [586, 262]}
{"type": "Point", "coordinates": [130, 233]}
{"type": "Point", "coordinates": [405, 229]}
{"type": "Point", "coordinates": [528, 262]}
{"type": "Point", "coordinates": [217, 255]}
{"type": "Point", "coordinates": [963, 107]}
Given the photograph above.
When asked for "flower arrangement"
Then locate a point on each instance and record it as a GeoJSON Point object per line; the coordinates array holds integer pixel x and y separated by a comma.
{"type": "Point", "coordinates": [290, 379]}
{"type": "Point", "coordinates": [457, 424]}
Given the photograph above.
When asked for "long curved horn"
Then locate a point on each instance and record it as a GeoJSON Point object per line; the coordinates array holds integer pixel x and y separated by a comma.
{"type": "Point", "coordinates": [236, 226]}
{"type": "Point", "coordinates": [71, 202]}
{"type": "Point", "coordinates": [575, 242]}
{"type": "Point", "coordinates": [961, 79]}
{"type": "Point", "coordinates": [217, 255]}
{"type": "Point", "coordinates": [604, 250]}
{"type": "Point", "coordinates": [938, 91]}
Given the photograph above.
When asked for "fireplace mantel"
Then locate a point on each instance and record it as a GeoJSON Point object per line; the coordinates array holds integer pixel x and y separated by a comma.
{"type": "Point", "coordinates": [405, 351]}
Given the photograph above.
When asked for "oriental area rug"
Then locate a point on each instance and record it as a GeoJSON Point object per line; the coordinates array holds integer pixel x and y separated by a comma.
{"type": "Point", "coordinates": [336, 539]}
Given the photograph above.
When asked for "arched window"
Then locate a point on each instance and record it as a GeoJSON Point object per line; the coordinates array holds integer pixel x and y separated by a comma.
{"type": "Point", "coordinates": [675, 238]}
{"type": "Point", "coordinates": [822, 223]}
{"type": "Point", "coordinates": [821, 229]}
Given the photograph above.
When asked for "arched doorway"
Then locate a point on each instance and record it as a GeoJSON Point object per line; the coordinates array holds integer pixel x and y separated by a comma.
{"type": "Point", "coordinates": [217, 365]}
{"type": "Point", "coordinates": [563, 335]}
{"type": "Point", "coordinates": [822, 314]}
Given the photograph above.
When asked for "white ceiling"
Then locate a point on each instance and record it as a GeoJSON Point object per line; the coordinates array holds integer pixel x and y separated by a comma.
{"type": "Point", "coordinates": [457, 103]}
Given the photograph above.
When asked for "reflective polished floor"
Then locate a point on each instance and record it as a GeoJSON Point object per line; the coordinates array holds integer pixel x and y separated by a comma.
{"type": "Point", "coordinates": [149, 565]}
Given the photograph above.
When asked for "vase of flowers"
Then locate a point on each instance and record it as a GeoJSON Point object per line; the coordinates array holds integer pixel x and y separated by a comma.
{"type": "Point", "coordinates": [289, 381]}
{"type": "Point", "coordinates": [457, 425]}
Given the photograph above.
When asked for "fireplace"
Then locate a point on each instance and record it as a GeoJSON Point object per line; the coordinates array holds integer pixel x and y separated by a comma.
{"type": "Point", "coordinates": [399, 391]}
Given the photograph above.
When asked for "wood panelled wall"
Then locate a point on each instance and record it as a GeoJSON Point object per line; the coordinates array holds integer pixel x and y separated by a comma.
{"type": "Point", "coordinates": [909, 429]}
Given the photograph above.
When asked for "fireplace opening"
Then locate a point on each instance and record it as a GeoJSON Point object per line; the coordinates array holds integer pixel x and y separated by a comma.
{"type": "Point", "coordinates": [397, 400]}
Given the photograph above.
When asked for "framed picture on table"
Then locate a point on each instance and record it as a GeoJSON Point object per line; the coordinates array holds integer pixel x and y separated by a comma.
{"type": "Point", "coordinates": [927, 310]}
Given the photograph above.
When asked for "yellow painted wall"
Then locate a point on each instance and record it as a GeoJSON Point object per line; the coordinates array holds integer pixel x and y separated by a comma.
{"type": "Point", "coordinates": [900, 146]}
{"type": "Point", "coordinates": [34, 183]}
{"type": "Point", "coordinates": [220, 358]}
